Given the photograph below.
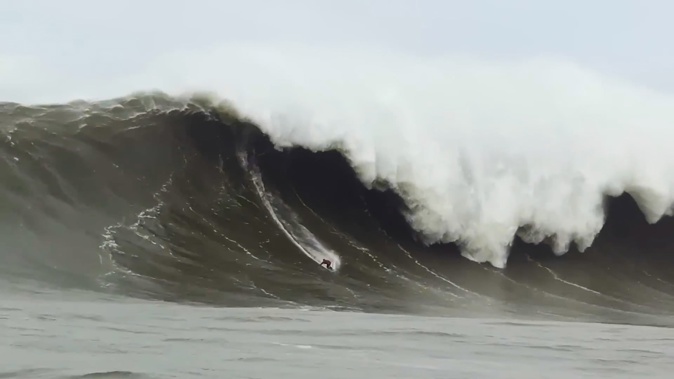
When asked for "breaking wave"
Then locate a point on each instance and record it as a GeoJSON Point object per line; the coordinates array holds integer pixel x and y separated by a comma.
{"type": "Point", "coordinates": [389, 176]}
{"type": "Point", "coordinates": [480, 153]}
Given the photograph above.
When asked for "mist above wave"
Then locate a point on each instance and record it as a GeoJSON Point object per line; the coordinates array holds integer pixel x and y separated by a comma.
{"type": "Point", "coordinates": [477, 149]}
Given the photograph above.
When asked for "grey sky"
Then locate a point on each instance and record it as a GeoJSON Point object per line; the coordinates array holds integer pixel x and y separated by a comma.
{"type": "Point", "coordinates": [97, 39]}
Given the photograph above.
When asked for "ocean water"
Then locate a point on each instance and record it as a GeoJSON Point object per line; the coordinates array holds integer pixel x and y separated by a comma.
{"type": "Point", "coordinates": [152, 237]}
{"type": "Point", "coordinates": [113, 338]}
{"type": "Point", "coordinates": [501, 221]}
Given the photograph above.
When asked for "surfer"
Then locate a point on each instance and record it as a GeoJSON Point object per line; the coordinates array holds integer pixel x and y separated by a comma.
{"type": "Point", "coordinates": [327, 263]}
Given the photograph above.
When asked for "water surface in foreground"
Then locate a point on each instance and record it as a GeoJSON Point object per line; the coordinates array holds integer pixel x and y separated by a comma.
{"type": "Point", "coordinates": [109, 338]}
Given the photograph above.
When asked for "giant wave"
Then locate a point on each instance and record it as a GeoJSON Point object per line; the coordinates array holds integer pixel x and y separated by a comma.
{"type": "Point", "coordinates": [384, 164]}
{"type": "Point", "coordinates": [480, 152]}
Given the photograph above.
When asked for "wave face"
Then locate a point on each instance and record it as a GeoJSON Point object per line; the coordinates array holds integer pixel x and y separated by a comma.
{"type": "Point", "coordinates": [184, 199]}
{"type": "Point", "coordinates": [480, 153]}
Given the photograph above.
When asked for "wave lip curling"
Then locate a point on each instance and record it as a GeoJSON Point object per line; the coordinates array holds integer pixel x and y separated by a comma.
{"type": "Point", "coordinates": [479, 152]}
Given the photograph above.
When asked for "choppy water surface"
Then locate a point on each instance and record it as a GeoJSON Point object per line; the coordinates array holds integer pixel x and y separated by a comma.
{"type": "Point", "coordinates": [120, 339]}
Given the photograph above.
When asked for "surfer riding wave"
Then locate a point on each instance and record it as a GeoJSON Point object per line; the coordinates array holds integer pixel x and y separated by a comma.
{"type": "Point", "coordinates": [327, 263]}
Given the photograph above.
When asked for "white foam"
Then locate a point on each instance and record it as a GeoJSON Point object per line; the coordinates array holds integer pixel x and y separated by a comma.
{"type": "Point", "coordinates": [477, 148]}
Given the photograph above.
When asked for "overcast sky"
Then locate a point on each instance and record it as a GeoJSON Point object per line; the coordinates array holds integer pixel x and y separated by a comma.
{"type": "Point", "coordinates": [94, 40]}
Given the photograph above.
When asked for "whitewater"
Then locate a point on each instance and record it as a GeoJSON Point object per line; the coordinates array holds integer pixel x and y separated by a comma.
{"type": "Point", "coordinates": [481, 152]}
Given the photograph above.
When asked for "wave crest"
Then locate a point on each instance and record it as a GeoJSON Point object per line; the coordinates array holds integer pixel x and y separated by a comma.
{"type": "Point", "coordinates": [479, 153]}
